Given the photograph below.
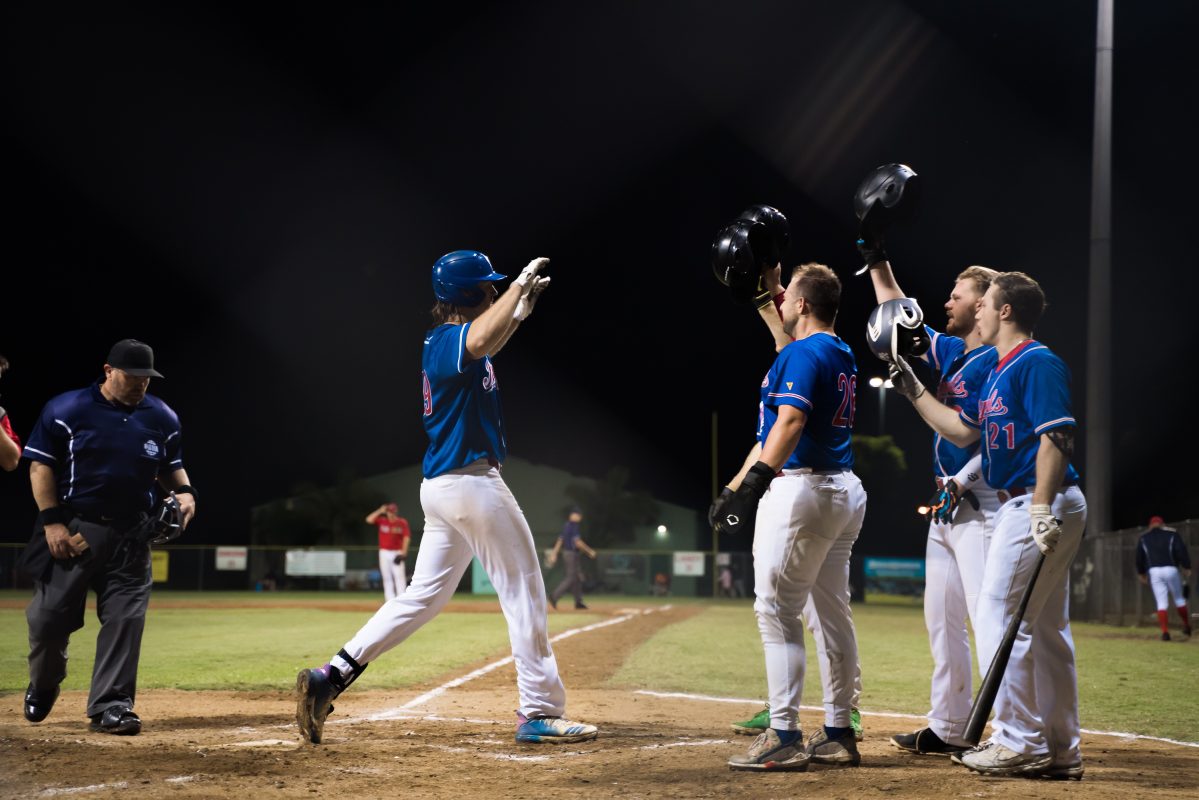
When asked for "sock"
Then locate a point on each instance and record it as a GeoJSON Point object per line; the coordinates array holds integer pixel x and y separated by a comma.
{"type": "Point", "coordinates": [1163, 621]}
{"type": "Point", "coordinates": [837, 733]}
{"type": "Point", "coordinates": [1185, 614]}
{"type": "Point", "coordinates": [787, 737]}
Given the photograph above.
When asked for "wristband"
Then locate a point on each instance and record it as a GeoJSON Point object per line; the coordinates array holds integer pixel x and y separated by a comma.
{"type": "Point", "coordinates": [54, 515]}
{"type": "Point", "coordinates": [188, 489]}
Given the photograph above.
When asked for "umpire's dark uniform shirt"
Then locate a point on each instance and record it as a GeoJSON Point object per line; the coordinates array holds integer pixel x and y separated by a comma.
{"type": "Point", "coordinates": [106, 459]}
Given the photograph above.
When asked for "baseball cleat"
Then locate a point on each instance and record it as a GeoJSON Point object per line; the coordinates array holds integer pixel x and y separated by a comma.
{"type": "Point", "coordinates": [926, 743]}
{"type": "Point", "coordinates": [855, 722]}
{"type": "Point", "coordinates": [553, 730]}
{"type": "Point", "coordinates": [37, 705]}
{"type": "Point", "coordinates": [314, 702]}
{"type": "Point", "coordinates": [769, 753]}
{"type": "Point", "coordinates": [839, 752]}
{"type": "Point", "coordinates": [1000, 760]}
{"type": "Point", "coordinates": [1165, 636]}
{"type": "Point", "coordinates": [117, 720]}
{"type": "Point", "coordinates": [755, 725]}
{"type": "Point", "coordinates": [1063, 772]}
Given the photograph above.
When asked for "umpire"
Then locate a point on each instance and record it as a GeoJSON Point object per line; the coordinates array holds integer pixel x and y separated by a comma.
{"type": "Point", "coordinates": [96, 456]}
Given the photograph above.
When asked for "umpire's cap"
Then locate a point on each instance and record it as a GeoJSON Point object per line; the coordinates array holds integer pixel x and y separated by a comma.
{"type": "Point", "coordinates": [457, 275]}
{"type": "Point", "coordinates": [133, 357]}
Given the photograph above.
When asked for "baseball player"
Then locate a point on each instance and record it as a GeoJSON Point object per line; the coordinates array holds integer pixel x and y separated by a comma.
{"type": "Point", "coordinates": [1027, 428]}
{"type": "Point", "coordinates": [811, 511]}
{"type": "Point", "coordinates": [10, 443]}
{"type": "Point", "coordinates": [393, 547]}
{"type": "Point", "coordinates": [955, 551]}
{"type": "Point", "coordinates": [1161, 556]}
{"type": "Point", "coordinates": [469, 511]}
{"type": "Point", "coordinates": [772, 314]}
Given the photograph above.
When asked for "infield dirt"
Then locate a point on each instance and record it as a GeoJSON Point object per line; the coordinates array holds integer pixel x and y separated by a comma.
{"type": "Point", "coordinates": [460, 744]}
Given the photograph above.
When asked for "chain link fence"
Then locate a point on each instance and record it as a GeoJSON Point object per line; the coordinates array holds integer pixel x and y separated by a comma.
{"type": "Point", "coordinates": [1103, 579]}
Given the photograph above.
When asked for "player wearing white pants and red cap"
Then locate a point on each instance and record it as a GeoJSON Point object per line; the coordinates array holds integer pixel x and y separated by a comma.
{"type": "Point", "coordinates": [1162, 562]}
{"type": "Point", "coordinates": [1027, 428]}
{"type": "Point", "coordinates": [469, 511]}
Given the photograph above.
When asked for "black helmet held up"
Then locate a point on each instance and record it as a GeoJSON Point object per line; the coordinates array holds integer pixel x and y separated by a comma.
{"type": "Point", "coordinates": [889, 193]}
{"type": "Point", "coordinates": [734, 260]}
{"type": "Point", "coordinates": [770, 244]}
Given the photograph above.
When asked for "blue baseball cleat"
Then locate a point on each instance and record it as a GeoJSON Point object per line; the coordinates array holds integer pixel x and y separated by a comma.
{"type": "Point", "coordinates": [553, 730]}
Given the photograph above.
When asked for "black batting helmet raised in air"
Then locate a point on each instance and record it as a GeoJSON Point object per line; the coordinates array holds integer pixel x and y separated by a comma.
{"type": "Point", "coordinates": [733, 258]}
{"type": "Point", "coordinates": [889, 193]}
{"type": "Point", "coordinates": [896, 328]}
{"type": "Point", "coordinates": [769, 243]}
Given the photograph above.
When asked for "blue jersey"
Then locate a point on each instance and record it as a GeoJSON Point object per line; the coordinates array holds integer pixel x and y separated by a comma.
{"type": "Point", "coordinates": [1025, 395]}
{"type": "Point", "coordinates": [106, 457]}
{"type": "Point", "coordinates": [462, 403]}
{"type": "Point", "coordinates": [570, 535]}
{"type": "Point", "coordinates": [818, 375]}
{"type": "Point", "coordinates": [961, 376]}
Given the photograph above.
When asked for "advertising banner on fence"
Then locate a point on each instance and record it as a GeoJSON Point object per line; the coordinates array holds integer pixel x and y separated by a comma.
{"type": "Point", "coordinates": [312, 563]}
{"type": "Point", "coordinates": [687, 563]}
{"type": "Point", "coordinates": [232, 559]}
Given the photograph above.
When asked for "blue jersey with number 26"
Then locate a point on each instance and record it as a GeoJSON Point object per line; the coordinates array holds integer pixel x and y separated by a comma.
{"type": "Point", "coordinates": [462, 403]}
{"type": "Point", "coordinates": [1025, 395]}
{"type": "Point", "coordinates": [818, 375]}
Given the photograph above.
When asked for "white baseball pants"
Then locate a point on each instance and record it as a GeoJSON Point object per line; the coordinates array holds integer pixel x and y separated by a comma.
{"type": "Point", "coordinates": [805, 529]}
{"type": "Point", "coordinates": [954, 557]}
{"type": "Point", "coordinates": [395, 579]}
{"type": "Point", "coordinates": [1166, 582]}
{"type": "Point", "coordinates": [470, 512]}
{"type": "Point", "coordinates": [1036, 710]}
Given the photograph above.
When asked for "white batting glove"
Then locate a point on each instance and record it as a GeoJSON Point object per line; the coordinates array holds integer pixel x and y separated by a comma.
{"type": "Point", "coordinates": [527, 275]}
{"type": "Point", "coordinates": [905, 380]}
{"type": "Point", "coordinates": [1046, 528]}
{"type": "Point", "coordinates": [524, 306]}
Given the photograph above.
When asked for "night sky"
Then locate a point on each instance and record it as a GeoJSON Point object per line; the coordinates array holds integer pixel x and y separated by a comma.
{"type": "Point", "coordinates": [260, 196]}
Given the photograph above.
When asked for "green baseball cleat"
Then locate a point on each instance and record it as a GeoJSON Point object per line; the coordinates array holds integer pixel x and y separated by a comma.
{"type": "Point", "coordinates": [855, 722]}
{"type": "Point", "coordinates": [754, 725]}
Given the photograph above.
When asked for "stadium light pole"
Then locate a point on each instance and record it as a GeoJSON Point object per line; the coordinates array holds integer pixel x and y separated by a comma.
{"type": "Point", "coordinates": [882, 384]}
{"type": "Point", "coordinates": [1099, 337]}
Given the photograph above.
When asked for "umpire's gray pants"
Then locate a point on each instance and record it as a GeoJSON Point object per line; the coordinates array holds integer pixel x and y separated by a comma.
{"type": "Point", "coordinates": [122, 584]}
{"type": "Point", "coordinates": [573, 582]}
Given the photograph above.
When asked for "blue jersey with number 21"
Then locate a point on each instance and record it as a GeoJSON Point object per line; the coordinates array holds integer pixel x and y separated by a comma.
{"type": "Point", "coordinates": [462, 403]}
{"type": "Point", "coordinates": [818, 375]}
{"type": "Point", "coordinates": [1025, 395]}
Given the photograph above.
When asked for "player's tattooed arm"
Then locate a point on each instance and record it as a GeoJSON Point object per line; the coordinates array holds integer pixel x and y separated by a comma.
{"type": "Point", "coordinates": [1063, 439]}
{"type": "Point", "coordinates": [1051, 469]}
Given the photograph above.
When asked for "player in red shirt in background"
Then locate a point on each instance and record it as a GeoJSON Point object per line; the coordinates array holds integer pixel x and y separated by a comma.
{"type": "Point", "coordinates": [10, 443]}
{"type": "Point", "coordinates": [393, 547]}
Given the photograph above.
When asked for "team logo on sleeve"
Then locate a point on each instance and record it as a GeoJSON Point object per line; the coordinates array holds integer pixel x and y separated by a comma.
{"type": "Point", "coordinates": [427, 391]}
{"type": "Point", "coordinates": [991, 406]}
{"type": "Point", "coordinates": [489, 381]}
{"type": "Point", "coordinates": [765, 380]}
{"type": "Point", "coordinates": [151, 448]}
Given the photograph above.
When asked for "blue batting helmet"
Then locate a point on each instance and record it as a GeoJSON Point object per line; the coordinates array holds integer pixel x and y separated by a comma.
{"type": "Point", "coordinates": [456, 277]}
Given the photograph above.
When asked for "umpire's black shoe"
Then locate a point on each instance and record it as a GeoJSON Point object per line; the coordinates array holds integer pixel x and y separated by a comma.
{"type": "Point", "coordinates": [117, 720]}
{"type": "Point", "coordinates": [37, 706]}
{"type": "Point", "coordinates": [925, 743]}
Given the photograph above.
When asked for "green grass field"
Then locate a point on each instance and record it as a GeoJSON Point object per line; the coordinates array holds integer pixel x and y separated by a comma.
{"type": "Point", "coordinates": [1128, 681]}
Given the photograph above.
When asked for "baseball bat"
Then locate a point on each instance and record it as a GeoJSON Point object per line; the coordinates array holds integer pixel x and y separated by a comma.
{"type": "Point", "coordinates": [990, 685]}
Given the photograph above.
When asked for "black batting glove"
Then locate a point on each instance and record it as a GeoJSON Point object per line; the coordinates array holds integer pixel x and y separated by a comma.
{"type": "Point", "coordinates": [718, 505]}
{"type": "Point", "coordinates": [870, 243]}
{"type": "Point", "coordinates": [738, 514]}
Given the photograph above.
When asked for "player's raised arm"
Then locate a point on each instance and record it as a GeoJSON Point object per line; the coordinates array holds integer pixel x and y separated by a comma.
{"type": "Point", "coordinates": [491, 329]}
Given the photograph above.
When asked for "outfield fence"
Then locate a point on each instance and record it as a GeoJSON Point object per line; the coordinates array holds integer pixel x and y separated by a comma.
{"type": "Point", "coordinates": [1104, 585]}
